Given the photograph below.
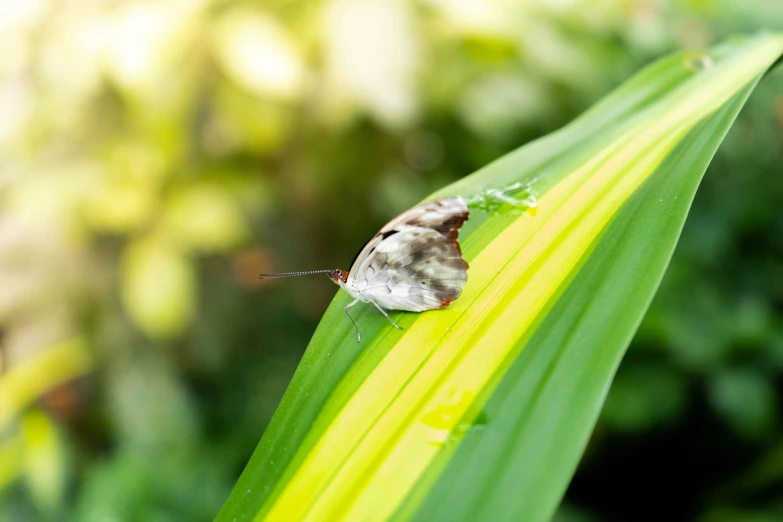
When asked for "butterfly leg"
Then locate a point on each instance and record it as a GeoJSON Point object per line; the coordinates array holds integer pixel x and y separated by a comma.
{"type": "Point", "coordinates": [386, 315]}
{"type": "Point", "coordinates": [346, 307]}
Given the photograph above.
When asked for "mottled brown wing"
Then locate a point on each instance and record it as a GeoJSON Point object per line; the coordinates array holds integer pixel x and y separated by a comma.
{"type": "Point", "coordinates": [446, 215]}
{"type": "Point", "coordinates": [414, 263]}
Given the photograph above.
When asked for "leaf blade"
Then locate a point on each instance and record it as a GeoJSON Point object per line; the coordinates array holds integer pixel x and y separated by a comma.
{"type": "Point", "coordinates": [651, 262]}
{"type": "Point", "coordinates": [360, 449]}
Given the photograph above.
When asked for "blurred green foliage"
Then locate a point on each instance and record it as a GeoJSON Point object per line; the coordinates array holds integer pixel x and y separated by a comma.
{"type": "Point", "coordinates": [156, 156]}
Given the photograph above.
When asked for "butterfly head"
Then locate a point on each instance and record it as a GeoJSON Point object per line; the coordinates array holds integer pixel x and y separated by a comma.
{"type": "Point", "coordinates": [338, 276]}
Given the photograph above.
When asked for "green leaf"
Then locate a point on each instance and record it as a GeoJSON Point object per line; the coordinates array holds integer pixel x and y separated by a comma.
{"type": "Point", "coordinates": [25, 382]}
{"type": "Point", "coordinates": [158, 287]}
{"type": "Point", "coordinates": [44, 461]}
{"type": "Point", "coordinates": [481, 411]}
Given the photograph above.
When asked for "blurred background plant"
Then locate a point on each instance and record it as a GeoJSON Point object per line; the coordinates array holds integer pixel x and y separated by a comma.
{"type": "Point", "coordinates": [156, 156]}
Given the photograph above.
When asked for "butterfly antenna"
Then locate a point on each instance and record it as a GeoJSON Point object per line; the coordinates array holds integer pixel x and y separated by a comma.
{"type": "Point", "coordinates": [291, 274]}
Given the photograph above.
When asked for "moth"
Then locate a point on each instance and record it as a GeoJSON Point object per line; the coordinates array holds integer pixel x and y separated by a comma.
{"type": "Point", "coordinates": [414, 263]}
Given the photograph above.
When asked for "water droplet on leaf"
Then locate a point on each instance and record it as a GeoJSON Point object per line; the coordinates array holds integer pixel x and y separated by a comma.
{"type": "Point", "coordinates": [513, 199]}
{"type": "Point", "coordinates": [453, 419]}
{"type": "Point", "coordinates": [698, 61]}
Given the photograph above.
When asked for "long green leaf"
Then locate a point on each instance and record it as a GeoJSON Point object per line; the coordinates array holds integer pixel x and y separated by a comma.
{"type": "Point", "coordinates": [481, 411]}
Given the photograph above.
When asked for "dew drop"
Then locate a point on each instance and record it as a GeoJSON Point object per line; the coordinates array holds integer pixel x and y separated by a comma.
{"type": "Point", "coordinates": [446, 423]}
{"type": "Point", "coordinates": [698, 61]}
{"type": "Point", "coordinates": [513, 199]}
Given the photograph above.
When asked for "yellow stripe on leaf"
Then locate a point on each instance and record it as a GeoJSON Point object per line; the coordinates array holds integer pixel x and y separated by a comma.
{"type": "Point", "coordinates": [387, 434]}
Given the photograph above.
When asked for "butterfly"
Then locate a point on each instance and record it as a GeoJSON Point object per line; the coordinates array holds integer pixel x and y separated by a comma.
{"type": "Point", "coordinates": [414, 263]}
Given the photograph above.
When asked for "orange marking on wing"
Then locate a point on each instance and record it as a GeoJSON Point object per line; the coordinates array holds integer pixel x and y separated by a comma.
{"type": "Point", "coordinates": [446, 302]}
{"type": "Point", "coordinates": [454, 231]}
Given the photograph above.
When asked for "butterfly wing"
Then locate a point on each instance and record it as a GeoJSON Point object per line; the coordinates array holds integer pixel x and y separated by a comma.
{"type": "Point", "coordinates": [414, 263]}
{"type": "Point", "coordinates": [417, 269]}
